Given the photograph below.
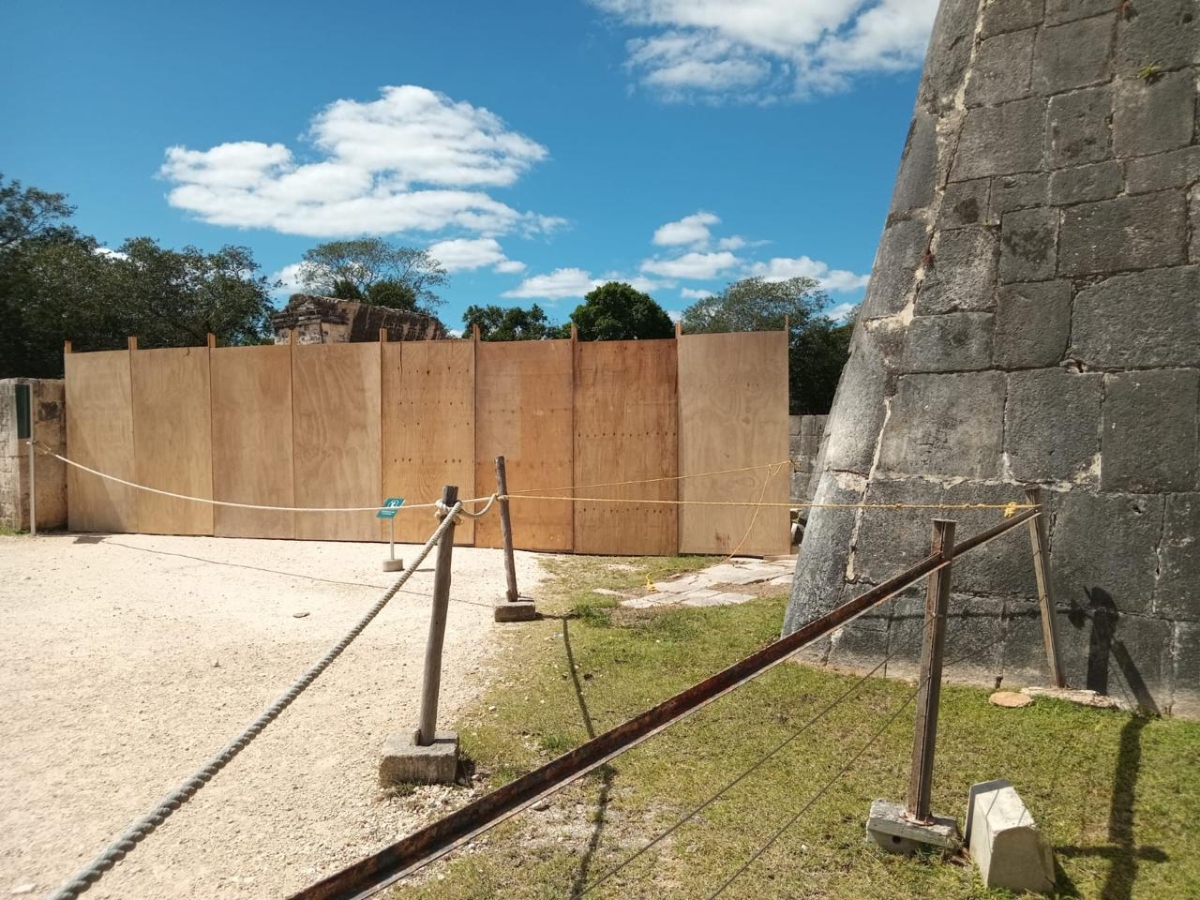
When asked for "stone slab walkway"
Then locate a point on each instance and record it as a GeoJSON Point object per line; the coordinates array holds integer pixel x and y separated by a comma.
{"type": "Point", "coordinates": [724, 584]}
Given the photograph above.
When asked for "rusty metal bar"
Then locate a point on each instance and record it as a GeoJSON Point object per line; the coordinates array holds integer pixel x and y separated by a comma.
{"type": "Point", "coordinates": [371, 875]}
{"type": "Point", "coordinates": [1040, 540]}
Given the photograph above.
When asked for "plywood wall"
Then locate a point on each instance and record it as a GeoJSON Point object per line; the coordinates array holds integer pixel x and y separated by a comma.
{"type": "Point", "coordinates": [335, 439]}
{"type": "Point", "coordinates": [524, 412]}
{"type": "Point", "coordinates": [626, 429]}
{"type": "Point", "coordinates": [428, 430]}
{"type": "Point", "coordinates": [732, 415]}
{"type": "Point", "coordinates": [252, 440]}
{"type": "Point", "coordinates": [99, 409]}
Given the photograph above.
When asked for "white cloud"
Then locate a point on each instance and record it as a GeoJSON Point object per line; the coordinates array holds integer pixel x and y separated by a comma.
{"type": "Point", "coordinates": [108, 253]}
{"type": "Point", "coordinates": [413, 160]}
{"type": "Point", "coordinates": [694, 294]}
{"type": "Point", "coordinates": [837, 280]}
{"type": "Point", "coordinates": [675, 315]}
{"type": "Point", "coordinates": [560, 283]}
{"type": "Point", "coordinates": [289, 278]}
{"type": "Point", "coordinates": [840, 312]}
{"type": "Point", "coordinates": [692, 265]}
{"type": "Point", "coordinates": [734, 242]}
{"type": "Point", "coordinates": [473, 253]}
{"type": "Point", "coordinates": [693, 229]}
{"type": "Point", "coordinates": [760, 49]}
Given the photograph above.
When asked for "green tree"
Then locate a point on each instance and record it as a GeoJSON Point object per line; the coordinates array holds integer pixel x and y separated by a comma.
{"type": "Point", "coordinates": [618, 312]}
{"type": "Point", "coordinates": [27, 213]}
{"type": "Point", "coordinates": [817, 346]}
{"type": "Point", "coordinates": [366, 263]}
{"type": "Point", "coordinates": [497, 323]}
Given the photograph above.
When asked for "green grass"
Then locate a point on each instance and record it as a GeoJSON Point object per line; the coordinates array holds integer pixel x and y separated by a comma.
{"type": "Point", "coordinates": [1117, 795]}
{"type": "Point", "coordinates": [5, 531]}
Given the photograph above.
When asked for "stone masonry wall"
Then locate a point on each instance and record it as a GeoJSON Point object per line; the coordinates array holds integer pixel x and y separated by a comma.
{"type": "Point", "coordinates": [1034, 318]}
{"type": "Point", "coordinates": [49, 428]}
{"type": "Point", "coordinates": [805, 447]}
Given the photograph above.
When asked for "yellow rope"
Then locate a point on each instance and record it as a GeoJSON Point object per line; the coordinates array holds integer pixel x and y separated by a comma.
{"type": "Point", "coordinates": [1009, 509]}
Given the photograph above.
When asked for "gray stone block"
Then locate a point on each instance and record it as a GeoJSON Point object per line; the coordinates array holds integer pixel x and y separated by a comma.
{"type": "Point", "coordinates": [1154, 116]}
{"type": "Point", "coordinates": [1002, 69]}
{"type": "Point", "coordinates": [890, 829]}
{"type": "Point", "coordinates": [956, 342]}
{"type": "Point", "coordinates": [1162, 171]}
{"type": "Point", "coordinates": [1185, 698]}
{"type": "Point", "coordinates": [1079, 127]}
{"type": "Point", "coordinates": [1177, 596]}
{"type": "Point", "coordinates": [1013, 192]}
{"type": "Point", "coordinates": [1005, 842]}
{"type": "Point", "coordinates": [918, 166]}
{"type": "Point", "coordinates": [1028, 240]}
{"type": "Point", "coordinates": [1165, 31]}
{"type": "Point", "coordinates": [1147, 318]}
{"type": "Point", "coordinates": [901, 249]}
{"type": "Point", "coordinates": [1117, 559]}
{"type": "Point", "coordinates": [974, 631]}
{"type": "Point", "coordinates": [945, 425]}
{"type": "Point", "coordinates": [1150, 436]}
{"type": "Point", "coordinates": [821, 562]}
{"type": "Point", "coordinates": [1084, 184]}
{"type": "Point", "coordinates": [1058, 11]}
{"type": "Point", "coordinates": [891, 540]}
{"type": "Point", "coordinates": [1121, 655]}
{"type": "Point", "coordinates": [1011, 15]}
{"type": "Point", "coordinates": [965, 203]}
{"type": "Point", "coordinates": [515, 611]}
{"type": "Point", "coordinates": [406, 761]}
{"type": "Point", "coordinates": [1052, 425]}
{"type": "Point", "coordinates": [949, 53]}
{"type": "Point", "coordinates": [1194, 224]}
{"type": "Point", "coordinates": [1033, 324]}
{"type": "Point", "coordinates": [1073, 55]}
{"type": "Point", "coordinates": [1003, 567]}
{"type": "Point", "coordinates": [1001, 140]}
{"type": "Point", "coordinates": [963, 275]}
{"type": "Point", "coordinates": [1024, 652]}
{"type": "Point", "coordinates": [858, 407]}
{"type": "Point", "coordinates": [1142, 232]}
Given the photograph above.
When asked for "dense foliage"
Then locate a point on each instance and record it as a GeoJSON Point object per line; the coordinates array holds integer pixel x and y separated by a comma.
{"type": "Point", "coordinates": [375, 271]}
{"type": "Point", "coordinates": [618, 312]}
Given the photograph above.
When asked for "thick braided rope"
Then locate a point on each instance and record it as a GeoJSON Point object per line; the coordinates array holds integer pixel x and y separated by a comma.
{"type": "Point", "coordinates": [123, 845]}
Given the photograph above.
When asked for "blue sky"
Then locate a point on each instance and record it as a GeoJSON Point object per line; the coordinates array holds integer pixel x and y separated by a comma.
{"type": "Point", "coordinates": [536, 147]}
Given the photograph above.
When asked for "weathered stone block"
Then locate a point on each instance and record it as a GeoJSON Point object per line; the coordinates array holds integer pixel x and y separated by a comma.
{"type": "Point", "coordinates": [406, 761]}
{"type": "Point", "coordinates": [1147, 318]}
{"type": "Point", "coordinates": [963, 275]}
{"type": "Point", "coordinates": [1154, 116]}
{"type": "Point", "coordinates": [1106, 543]}
{"type": "Point", "coordinates": [1121, 655]}
{"type": "Point", "coordinates": [1142, 232]}
{"type": "Point", "coordinates": [1150, 437]}
{"type": "Point", "coordinates": [1001, 140]}
{"type": "Point", "coordinates": [1005, 842]}
{"type": "Point", "coordinates": [946, 425]}
{"type": "Point", "coordinates": [1084, 184]}
{"type": "Point", "coordinates": [1052, 424]}
{"type": "Point", "coordinates": [890, 829]}
{"type": "Point", "coordinates": [956, 342]}
{"type": "Point", "coordinates": [1073, 55]}
{"type": "Point", "coordinates": [1058, 11]}
{"type": "Point", "coordinates": [1002, 69]}
{"type": "Point", "coordinates": [1162, 171]}
{"type": "Point", "coordinates": [1165, 31]}
{"type": "Point", "coordinates": [1033, 324]}
{"type": "Point", "coordinates": [1011, 15]}
{"type": "Point", "coordinates": [1024, 654]}
{"type": "Point", "coordinates": [874, 354]}
{"type": "Point", "coordinates": [1194, 223]}
{"type": "Point", "coordinates": [1028, 241]}
{"type": "Point", "coordinates": [918, 167]}
{"type": "Point", "coordinates": [949, 53]}
{"type": "Point", "coordinates": [1013, 192]}
{"type": "Point", "coordinates": [965, 203]}
{"type": "Point", "coordinates": [891, 540]}
{"type": "Point", "coordinates": [1178, 593]}
{"type": "Point", "coordinates": [1078, 127]}
{"type": "Point", "coordinates": [1185, 699]}
{"type": "Point", "coordinates": [901, 248]}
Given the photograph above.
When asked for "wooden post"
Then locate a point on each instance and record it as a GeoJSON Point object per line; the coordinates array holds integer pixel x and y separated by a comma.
{"type": "Point", "coordinates": [212, 341]}
{"type": "Point", "coordinates": [1041, 567]}
{"type": "Point", "coordinates": [67, 347]}
{"type": "Point", "coordinates": [929, 689]}
{"type": "Point", "coordinates": [32, 477]}
{"type": "Point", "coordinates": [383, 335]}
{"type": "Point", "coordinates": [510, 565]}
{"type": "Point", "coordinates": [427, 728]}
{"type": "Point", "coordinates": [133, 343]}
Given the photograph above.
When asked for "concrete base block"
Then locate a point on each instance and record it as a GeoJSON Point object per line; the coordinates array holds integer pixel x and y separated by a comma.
{"type": "Point", "coordinates": [515, 611]}
{"type": "Point", "coordinates": [393, 565]}
{"type": "Point", "coordinates": [1005, 842]}
{"type": "Point", "coordinates": [890, 829]}
{"type": "Point", "coordinates": [404, 760]}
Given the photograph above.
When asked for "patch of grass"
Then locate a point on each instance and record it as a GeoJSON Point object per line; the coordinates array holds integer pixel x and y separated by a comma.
{"type": "Point", "coordinates": [5, 531]}
{"type": "Point", "coordinates": [1118, 795]}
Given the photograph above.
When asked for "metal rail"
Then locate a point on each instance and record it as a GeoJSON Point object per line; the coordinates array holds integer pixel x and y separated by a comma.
{"type": "Point", "coordinates": [371, 875]}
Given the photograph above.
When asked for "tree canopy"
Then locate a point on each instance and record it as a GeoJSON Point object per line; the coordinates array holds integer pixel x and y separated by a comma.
{"type": "Point", "coordinates": [373, 270]}
{"type": "Point", "coordinates": [497, 323]}
{"type": "Point", "coordinates": [618, 312]}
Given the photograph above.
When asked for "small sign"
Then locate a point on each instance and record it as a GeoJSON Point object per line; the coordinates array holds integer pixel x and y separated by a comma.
{"type": "Point", "coordinates": [390, 506]}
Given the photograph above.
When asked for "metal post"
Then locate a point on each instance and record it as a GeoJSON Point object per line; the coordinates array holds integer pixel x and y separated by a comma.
{"type": "Point", "coordinates": [1041, 566]}
{"type": "Point", "coordinates": [929, 690]}
{"type": "Point", "coordinates": [510, 564]}
{"type": "Point", "coordinates": [392, 538]}
{"type": "Point", "coordinates": [32, 480]}
{"type": "Point", "coordinates": [437, 628]}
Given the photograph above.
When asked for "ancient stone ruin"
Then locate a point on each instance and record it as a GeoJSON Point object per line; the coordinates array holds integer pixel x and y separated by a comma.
{"type": "Point", "coordinates": [1033, 318]}
{"type": "Point", "coordinates": [327, 320]}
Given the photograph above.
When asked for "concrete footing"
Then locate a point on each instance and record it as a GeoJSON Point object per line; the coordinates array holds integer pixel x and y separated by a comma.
{"type": "Point", "coordinates": [1005, 842]}
{"type": "Point", "coordinates": [515, 611]}
{"type": "Point", "coordinates": [393, 565]}
{"type": "Point", "coordinates": [404, 760]}
{"type": "Point", "coordinates": [889, 828]}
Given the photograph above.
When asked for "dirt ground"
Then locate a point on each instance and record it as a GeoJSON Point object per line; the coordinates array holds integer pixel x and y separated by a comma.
{"type": "Point", "coordinates": [128, 660]}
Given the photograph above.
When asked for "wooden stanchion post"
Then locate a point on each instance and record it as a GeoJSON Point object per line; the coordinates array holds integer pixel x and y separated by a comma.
{"type": "Point", "coordinates": [1040, 540]}
{"type": "Point", "coordinates": [510, 565]}
{"type": "Point", "coordinates": [427, 729]}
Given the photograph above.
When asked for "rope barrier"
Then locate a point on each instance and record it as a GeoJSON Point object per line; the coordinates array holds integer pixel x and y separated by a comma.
{"type": "Point", "coordinates": [144, 826]}
{"type": "Point", "coordinates": [1009, 509]}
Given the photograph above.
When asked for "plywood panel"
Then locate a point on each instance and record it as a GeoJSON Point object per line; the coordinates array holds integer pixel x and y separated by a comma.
{"type": "Point", "coordinates": [335, 446]}
{"type": "Point", "coordinates": [523, 412]}
{"type": "Point", "coordinates": [733, 413]}
{"type": "Point", "coordinates": [428, 429]}
{"type": "Point", "coordinates": [99, 411]}
{"type": "Point", "coordinates": [172, 439]}
{"type": "Point", "coordinates": [626, 429]}
{"type": "Point", "coordinates": [252, 439]}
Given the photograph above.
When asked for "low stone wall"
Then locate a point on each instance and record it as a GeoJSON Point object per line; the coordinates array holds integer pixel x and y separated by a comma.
{"type": "Point", "coordinates": [805, 443]}
{"type": "Point", "coordinates": [49, 429]}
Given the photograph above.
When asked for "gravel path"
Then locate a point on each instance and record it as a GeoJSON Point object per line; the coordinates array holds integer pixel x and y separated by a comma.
{"type": "Point", "coordinates": [128, 660]}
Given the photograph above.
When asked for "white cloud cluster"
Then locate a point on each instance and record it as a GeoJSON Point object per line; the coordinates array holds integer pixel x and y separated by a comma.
{"type": "Point", "coordinates": [561, 283]}
{"type": "Point", "coordinates": [474, 253]}
{"type": "Point", "coordinates": [762, 49]}
{"type": "Point", "coordinates": [413, 160]}
{"type": "Point", "coordinates": [693, 229]}
{"type": "Point", "coordinates": [836, 280]}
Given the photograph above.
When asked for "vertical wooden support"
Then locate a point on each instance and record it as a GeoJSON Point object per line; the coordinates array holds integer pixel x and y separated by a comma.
{"type": "Point", "coordinates": [32, 476]}
{"type": "Point", "coordinates": [510, 565]}
{"type": "Point", "coordinates": [1041, 565]}
{"type": "Point", "coordinates": [383, 335]}
{"type": "Point", "coordinates": [427, 728]}
{"type": "Point", "coordinates": [212, 341]}
{"type": "Point", "coordinates": [132, 343]}
{"type": "Point", "coordinates": [929, 689]}
{"type": "Point", "coordinates": [67, 348]}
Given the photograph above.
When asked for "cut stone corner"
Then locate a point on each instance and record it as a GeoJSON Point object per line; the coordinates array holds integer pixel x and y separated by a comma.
{"type": "Point", "coordinates": [405, 761]}
{"type": "Point", "coordinates": [891, 829]}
